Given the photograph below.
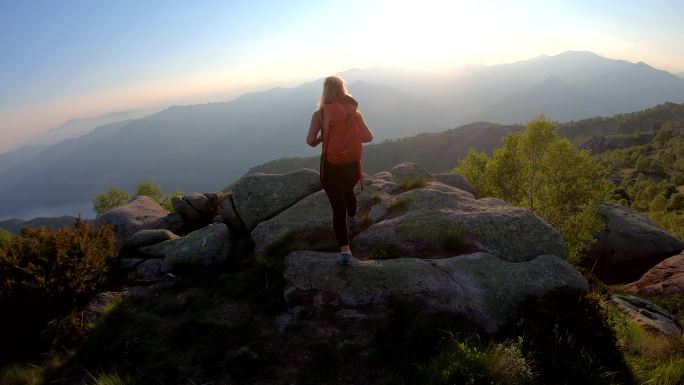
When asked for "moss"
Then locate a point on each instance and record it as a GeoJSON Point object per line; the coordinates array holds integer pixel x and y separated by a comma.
{"type": "Point", "coordinates": [385, 251]}
{"type": "Point", "coordinates": [454, 239]}
{"type": "Point", "coordinates": [412, 182]}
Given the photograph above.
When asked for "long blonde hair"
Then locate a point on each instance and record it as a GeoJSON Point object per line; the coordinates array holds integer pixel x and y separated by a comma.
{"type": "Point", "coordinates": [333, 90]}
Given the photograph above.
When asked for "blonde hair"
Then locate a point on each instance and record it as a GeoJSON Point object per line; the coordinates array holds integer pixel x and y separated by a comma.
{"type": "Point", "coordinates": [333, 90]}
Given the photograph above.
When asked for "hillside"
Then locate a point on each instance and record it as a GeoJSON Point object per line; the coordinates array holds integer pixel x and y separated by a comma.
{"type": "Point", "coordinates": [440, 152]}
{"type": "Point", "coordinates": [197, 146]}
{"type": "Point", "coordinates": [15, 225]}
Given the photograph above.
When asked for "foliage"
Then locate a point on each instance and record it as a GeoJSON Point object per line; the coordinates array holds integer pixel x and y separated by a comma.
{"type": "Point", "coordinates": [151, 190]}
{"type": "Point", "coordinates": [549, 175]}
{"type": "Point", "coordinates": [17, 374]}
{"type": "Point", "coordinates": [109, 199]}
{"type": "Point", "coordinates": [47, 272]}
{"type": "Point", "coordinates": [650, 177]}
{"type": "Point", "coordinates": [5, 239]}
{"type": "Point", "coordinates": [115, 197]}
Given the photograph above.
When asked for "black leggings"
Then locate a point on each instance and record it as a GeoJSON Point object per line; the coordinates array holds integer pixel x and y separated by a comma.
{"type": "Point", "coordinates": [339, 182]}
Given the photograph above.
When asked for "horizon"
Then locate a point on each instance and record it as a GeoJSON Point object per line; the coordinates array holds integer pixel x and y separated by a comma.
{"type": "Point", "coordinates": [77, 61]}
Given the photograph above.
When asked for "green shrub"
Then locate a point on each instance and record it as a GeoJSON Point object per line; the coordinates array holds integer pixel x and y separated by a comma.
{"type": "Point", "coordinates": [5, 239]}
{"type": "Point", "coordinates": [109, 199]}
{"type": "Point", "coordinates": [16, 374]}
{"type": "Point", "coordinates": [47, 272]}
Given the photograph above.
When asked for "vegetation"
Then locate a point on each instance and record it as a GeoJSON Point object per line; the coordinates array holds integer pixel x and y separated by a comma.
{"type": "Point", "coordinates": [549, 175]}
{"type": "Point", "coordinates": [109, 199]}
{"type": "Point", "coordinates": [649, 178]}
{"type": "Point", "coordinates": [115, 197]}
{"type": "Point", "coordinates": [46, 273]}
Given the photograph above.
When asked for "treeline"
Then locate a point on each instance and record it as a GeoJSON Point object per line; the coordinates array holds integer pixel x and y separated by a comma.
{"type": "Point", "coordinates": [114, 196]}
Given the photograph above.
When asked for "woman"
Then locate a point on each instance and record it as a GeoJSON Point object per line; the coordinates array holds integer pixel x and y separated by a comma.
{"type": "Point", "coordinates": [339, 179]}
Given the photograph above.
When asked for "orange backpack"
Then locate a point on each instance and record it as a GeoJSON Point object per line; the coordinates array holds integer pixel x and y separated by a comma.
{"type": "Point", "coordinates": [342, 134]}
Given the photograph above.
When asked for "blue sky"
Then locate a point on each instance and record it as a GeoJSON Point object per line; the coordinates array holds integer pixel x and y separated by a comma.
{"type": "Point", "coordinates": [64, 59]}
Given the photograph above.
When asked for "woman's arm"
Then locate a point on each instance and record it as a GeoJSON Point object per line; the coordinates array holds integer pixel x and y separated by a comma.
{"type": "Point", "coordinates": [312, 138]}
{"type": "Point", "coordinates": [366, 133]}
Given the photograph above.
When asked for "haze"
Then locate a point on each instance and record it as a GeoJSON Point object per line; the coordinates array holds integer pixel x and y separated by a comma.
{"type": "Point", "coordinates": [62, 60]}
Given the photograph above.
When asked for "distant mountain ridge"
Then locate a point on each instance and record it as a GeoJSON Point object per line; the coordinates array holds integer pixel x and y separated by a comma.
{"type": "Point", "coordinates": [206, 146]}
{"type": "Point", "coordinates": [441, 151]}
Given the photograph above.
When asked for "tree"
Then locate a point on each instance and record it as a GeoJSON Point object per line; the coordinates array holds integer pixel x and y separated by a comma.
{"type": "Point", "coordinates": [659, 203]}
{"type": "Point", "coordinates": [108, 200]}
{"type": "Point", "coordinates": [549, 175]}
{"type": "Point", "coordinates": [5, 239]}
{"type": "Point", "coordinates": [151, 190]}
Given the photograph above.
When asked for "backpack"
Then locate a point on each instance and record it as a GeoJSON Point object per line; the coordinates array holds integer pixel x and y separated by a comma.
{"type": "Point", "coordinates": [341, 134]}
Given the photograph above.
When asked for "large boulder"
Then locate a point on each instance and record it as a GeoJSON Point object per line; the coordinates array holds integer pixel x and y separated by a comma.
{"type": "Point", "coordinates": [418, 222]}
{"type": "Point", "coordinates": [309, 219]}
{"type": "Point", "coordinates": [667, 277]}
{"type": "Point", "coordinates": [425, 218]}
{"type": "Point", "coordinates": [485, 289]}
{"type": "Point", "coordinates": [648, 315]}
{"type": "Point", "coordinates": [258, 197]}
{"type": "Point", "coordinates": [140, 213]}
{"type": "Point", "coordinates": [630, 245]}
{"type": "Point", "coordinates": [208, 247]}
{"type": "Point", "coordinates": [144, 238]}
{"type": "Point", "coordinates": [455, 180]}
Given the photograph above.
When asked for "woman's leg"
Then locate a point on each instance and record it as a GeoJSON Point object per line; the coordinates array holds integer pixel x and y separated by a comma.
{"type": "Point", "coordinates": [350, 201]}
{"type": "Point", "coordinates": [336, 197]}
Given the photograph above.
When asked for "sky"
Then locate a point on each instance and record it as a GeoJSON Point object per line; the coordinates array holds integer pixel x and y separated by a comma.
{"type": "Point", "coordinates": [66, 59]}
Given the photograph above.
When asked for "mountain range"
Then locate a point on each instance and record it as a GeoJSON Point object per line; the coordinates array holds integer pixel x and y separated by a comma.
{"type": "Point", "coordinates": [204, 147]}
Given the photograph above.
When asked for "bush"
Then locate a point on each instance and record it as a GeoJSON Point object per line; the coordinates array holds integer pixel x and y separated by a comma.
{"type": "Point", "coordinates": [47, 272]}
{"type": "Point", "coordinates": [109, 199]}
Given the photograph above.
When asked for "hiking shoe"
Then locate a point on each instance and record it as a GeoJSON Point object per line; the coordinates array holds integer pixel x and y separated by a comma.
{"type": "Point", "coordinates": [345, 258]}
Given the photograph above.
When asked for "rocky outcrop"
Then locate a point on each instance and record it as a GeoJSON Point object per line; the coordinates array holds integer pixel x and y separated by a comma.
{"type": "Point", "coordinates": [259, 197]}
{"type": "Point", "coordinates": [144, 238]}
{"type": "Point", "coordinates": [208, 247]}
{"type": "Point", "coordinates": [630, 245]}
{"type": "Point", "coordinates": [419, 222]}
{"type": "Point", "coordinates": [480, 286]}
{"type": "Point", "coordinates": [667, 277]}
{"type": "Point", "coordinates": [455, 180]}
{"type": "Point", "coordinates": [648, 315]}
{"type": "Point", "coordinates": [140, 213]}
{"type": "Point", "coordinates": [197, 209]}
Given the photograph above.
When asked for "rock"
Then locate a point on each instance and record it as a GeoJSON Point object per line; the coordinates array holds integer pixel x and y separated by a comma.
{"type": "Point", "coordinates": [258, 197]}
{"type": "Point", "coordinates": [648, 315]}
{"type": "Point", "coordinates": [409, 171]}
{"type": "Point", "coordinates": [200, 203]}
{"type": "Point", "coordinates": [309, 219]}
{"type": "Point", "coordinates": [149, 270]}
{"type": "Point", "coordinates": [186, 211]}
{"type": "Point", "coordinates": [427, 215]}
{"type": "Point", "coordinates": [128, 264]}
{"type": "Point", "coordinates": [455, 180]}
{"type": "Point", "coordinates": [144, 238]}
{"type": "Point", "coordinates": [218, 219]}
{"type": "Point", "coordinates": [208, 247]}
{"type": "Point", "coordinates": [227, 211]}
{"type": "Point", "coordinates": [479, 286]}
{"type": "Point", "coordinates": [289, 317]}
{"type": "Point", "coordinates": [140, 213]}
{"type": "Point", "coordinates": [630, 245]}
{"type": "Point", "coordinates": [667, 277]}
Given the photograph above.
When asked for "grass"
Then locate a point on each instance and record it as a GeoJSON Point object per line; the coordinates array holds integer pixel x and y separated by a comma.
{"type": "Point", "coordinates": [454, 239]}
{"type": "Point", "coordinates": [385, 251]}
{"type": "Point", "coordinates": [652, 358]}
{"type": "Point", "coordinates": [19, 374]}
